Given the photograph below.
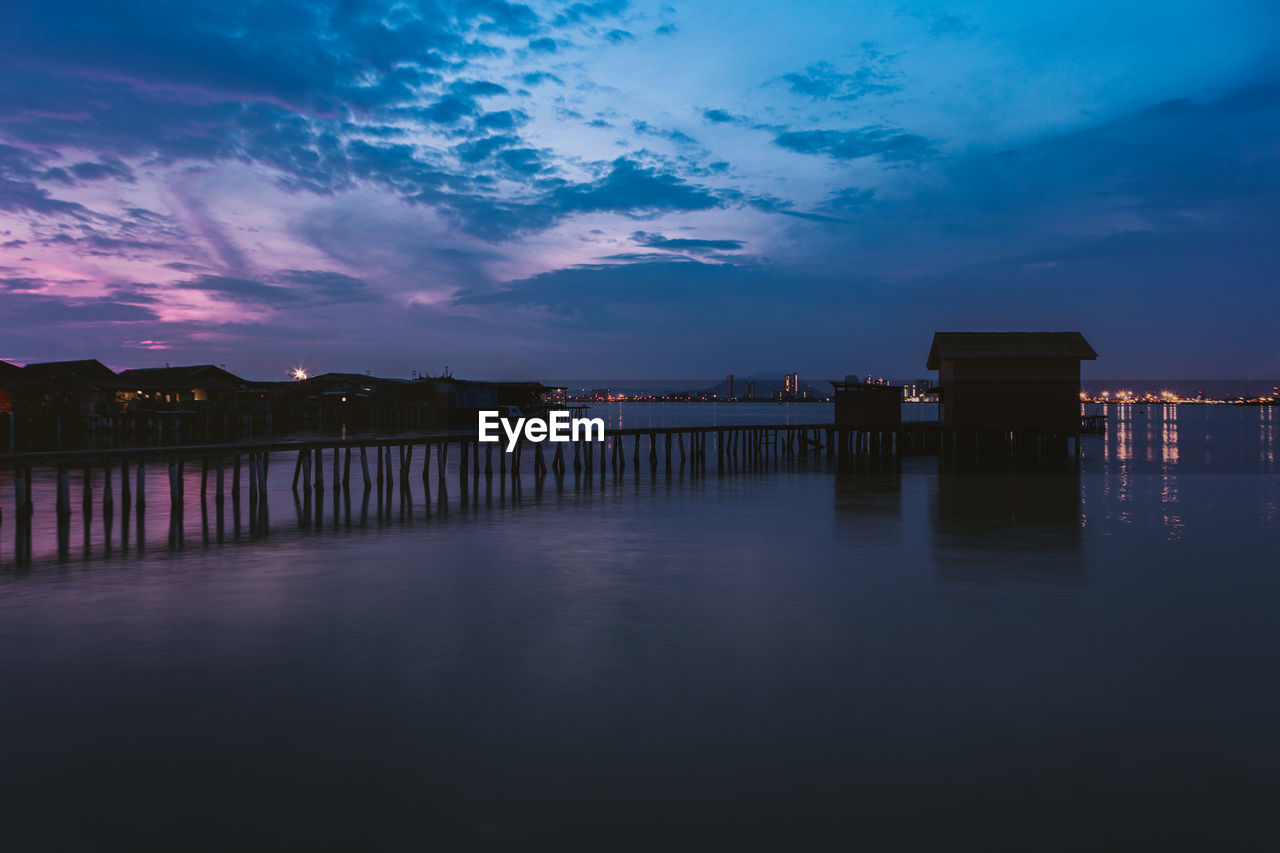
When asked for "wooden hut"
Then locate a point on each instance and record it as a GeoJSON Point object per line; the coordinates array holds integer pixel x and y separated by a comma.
{"type": "Point", "coordinates": [862, 405]}
{"type": "Point", "coordinates": [1010, 380]}
{"type": "Point", "coordinates": [197, 383]}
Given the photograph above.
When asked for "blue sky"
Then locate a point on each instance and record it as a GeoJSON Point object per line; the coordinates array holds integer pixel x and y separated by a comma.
{"type": "Point", "coordinates": [632, 189]}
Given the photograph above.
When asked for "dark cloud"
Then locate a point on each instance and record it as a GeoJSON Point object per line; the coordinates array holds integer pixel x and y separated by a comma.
{"type": "Point", "coordinates": [822, 81]}
{"type": "Point", "coordinates": [685, 244]}
{"type": "Point", "coordinates": [546, 44]}
{"type": "Point", "coordinates": [22, 283]}
{"type": "Point", "coordinates": [327, 287]}
{"type": "Point", "coordinates": [286, 289]}
{"type": "Point", "coordinates": [887, 144]}
{"type": "Point", "coordinates": [27, 311]}
{"type": "Point", "coordinates": [533, 78]}
{"type": "Point", "coordinates": [579, 13]}
{"type": "Point", "coordinates": [24, 196]}
{"type": "Point", "coordinates": [503, 120]}
{"type": "Point", "coordinates": [107, 167]}
{"type": "Point", "coordinates": [645, 129]}
{"type": "Point", "coordinates": [632, 189]}
{"type": "Point", "coordinates": [243, 290]}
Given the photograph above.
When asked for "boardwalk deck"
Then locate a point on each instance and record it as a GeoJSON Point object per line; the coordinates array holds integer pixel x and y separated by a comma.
{"type": "Point", "coordinates": [735, 446]}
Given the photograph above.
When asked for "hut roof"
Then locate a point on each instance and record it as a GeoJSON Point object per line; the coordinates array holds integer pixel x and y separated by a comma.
{"type": "Point", "coordinates": [1011, 345]}
{"type": "Point", "coordinates": [188, 376]}
{"type": "Point", "coordinates": [9, 371]}
{"type": "Point", "coordinates": [84, 369]}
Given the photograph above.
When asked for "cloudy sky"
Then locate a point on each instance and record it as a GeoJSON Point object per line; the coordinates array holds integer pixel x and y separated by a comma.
{"type": "Point", "coordinates": [632, 189]}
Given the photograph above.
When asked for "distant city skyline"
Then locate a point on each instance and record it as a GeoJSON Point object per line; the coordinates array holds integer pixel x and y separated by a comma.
{"type": "Point", "coordinates": [638, 189]}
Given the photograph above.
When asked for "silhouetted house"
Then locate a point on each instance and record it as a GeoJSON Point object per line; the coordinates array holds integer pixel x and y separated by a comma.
{"type": "Point", "coordinates": [1010, 380]}
{"type": "Point", "coordinates": [861, 405]}
{"type": "Point", "coordinates": [158, 387]}
{"type": "Point", "coordinates": [458, 401]}
{"type": "Point", "coordinates": [69, 389]}
{"type": "Point", "coordinates": [10, 380]}
{"type": "Point", "coordinates": [350, 399]}
{"type": "Point", "coordinates": [88, 369]}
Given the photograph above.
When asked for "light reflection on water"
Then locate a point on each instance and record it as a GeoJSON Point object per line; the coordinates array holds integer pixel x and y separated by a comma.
{"type": "Point", "coordinates": [897, 657]}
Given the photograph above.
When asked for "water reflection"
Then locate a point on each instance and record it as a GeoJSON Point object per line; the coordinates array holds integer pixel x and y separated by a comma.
{"type": "Point", "coordinates": [991, 528]}
{"type": "Point", "coordinates": [869, 505]}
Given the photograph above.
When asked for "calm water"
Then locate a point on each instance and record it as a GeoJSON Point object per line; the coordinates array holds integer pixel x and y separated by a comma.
{"type": "Point", "coordinates": [790, 656]}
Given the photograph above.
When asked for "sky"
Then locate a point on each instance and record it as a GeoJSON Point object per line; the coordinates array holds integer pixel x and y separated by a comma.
{"type": "Point", "coordinates": [633, 190]}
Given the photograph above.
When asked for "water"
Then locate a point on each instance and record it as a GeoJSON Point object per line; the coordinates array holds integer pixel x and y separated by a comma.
{"type": "Point", "coordinates": [791, 657]}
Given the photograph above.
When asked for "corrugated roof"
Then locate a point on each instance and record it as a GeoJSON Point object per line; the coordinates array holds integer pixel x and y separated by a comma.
{"type": "Point", "coordinates": [1012, 345]}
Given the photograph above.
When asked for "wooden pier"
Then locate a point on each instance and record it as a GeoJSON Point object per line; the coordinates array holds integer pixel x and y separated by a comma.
{"type": "Point", "coordinates": [228, 470]}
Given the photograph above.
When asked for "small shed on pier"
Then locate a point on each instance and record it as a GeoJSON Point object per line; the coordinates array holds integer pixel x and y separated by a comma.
{"type": "Point", "coordinates": [862, 405]}
{"type": "Point", "coordinates": [1010, 380]}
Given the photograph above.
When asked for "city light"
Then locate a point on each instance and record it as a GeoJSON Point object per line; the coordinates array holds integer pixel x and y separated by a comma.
{"type": "Point", "coordinates": [299, 373]}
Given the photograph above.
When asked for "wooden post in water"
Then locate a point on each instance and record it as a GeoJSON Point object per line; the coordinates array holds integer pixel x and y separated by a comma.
{"type": "Point", "coordinates": [142, 484]}
{"type": "Point", "coordinates": [64, 493]}
{"type": "Point", "coordinates": [108, 491]}
{"type": "Point", "coordinates": [364, 468]}
{"type": "Point", "coordinates": [219, 479]}
{"type": "Point", "coordinates": [346, 469]}
{"type": "Point", "coordinates": [306, 469]}
{"type": "Point", "coordinates": [20, 491]}
{"type": "Point", "coordinates": [173, 482]}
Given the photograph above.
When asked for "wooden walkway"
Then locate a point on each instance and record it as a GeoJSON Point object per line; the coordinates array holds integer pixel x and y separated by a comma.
{"type": "Point", "coordinates": [226, 469]}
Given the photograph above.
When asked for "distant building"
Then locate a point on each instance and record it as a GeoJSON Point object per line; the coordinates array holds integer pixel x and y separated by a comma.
{"type": "Point", "coordinates": [916, 390]}
{"type": "Point", "coordinates": [728, 387]}
{"type": "Point", "coordinates": [1010, 380]}
{"type": "Point", "coordinates": [793, 385]}
{"type": "Point", "coordinates": [749, 389]}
